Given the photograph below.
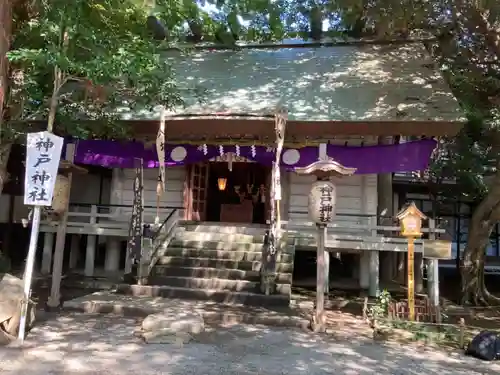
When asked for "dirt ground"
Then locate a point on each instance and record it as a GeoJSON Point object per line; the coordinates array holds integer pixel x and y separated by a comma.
{"type": "Point", "coordinates": [345, 308]}
{"type": "Point", "coordinates": [86, 344]}
{"type": "Point", "coordinates": [350, 304]}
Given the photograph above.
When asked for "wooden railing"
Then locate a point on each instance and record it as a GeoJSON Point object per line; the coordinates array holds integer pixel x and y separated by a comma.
{"type": "Point", "coordinates": [162, 236]}
{"type": "Point", "coordinates": [99, 219]}
{"type": "Point", "coordinates": [356, 231]}
{"type": "Point", "coordinates": [345, 223]}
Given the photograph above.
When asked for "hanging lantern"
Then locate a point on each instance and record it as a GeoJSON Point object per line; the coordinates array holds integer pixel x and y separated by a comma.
{"type": "Point", "coordinates": [221, 183]}
{"type": "Point", "coordinates": [61, 194]}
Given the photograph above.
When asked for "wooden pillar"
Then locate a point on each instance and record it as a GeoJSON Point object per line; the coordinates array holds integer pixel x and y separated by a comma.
{"type": "Point", "coordinates": [385, 202]}
{"type": "Point", "coordinates": [91, 246]}
{"type": "Point", "coordinates": [364, 269]}
{"type": "Point", "coordinates": [433, 275]}
{"type": "Point", "coordinates": [112, 260]}
{"type": "Point", "coordinates": [364, 256]}
{"type": "Point", "coordinates": [320, 280]}
{"type": "Point", "coordinates": [373, 272]}
{"type": "Point", "coordinates": [327, 271]}
{"type": "Point", "coordinates": [90, 256]}
{"type": "Point", "coordinates": [411, 278]}
{"type": "Point", "coordinates": [74, 254]}
{"type": "Point", "coordinates": [48, 248]}
{"type": "Point", "coordinates": [373, 264]}
{"type": "Point", "coordinates": [419, 273]}
{"type": "Point", "coordinates": [128, 264]}
{"type": "Point", "coordinates": [54, 299]}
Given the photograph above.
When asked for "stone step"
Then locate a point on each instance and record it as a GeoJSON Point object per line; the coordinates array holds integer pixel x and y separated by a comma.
{"type": "Point", "coordinates": [159, 272]}
{"type": "Point", "coordinates": [249, 256]}
{"type": "Point", "coordinates": [218, 236]}
{"type": "Point", "coordinates": [216, 245]}
{"type": "Point", "coordinates": [220, 284]}
{"type": "Point", "coordinates": [220, 296]}
{"type": "Point", "coordinates": [174, 261]}
{"type": "Point", "coordinates": [228, 228]}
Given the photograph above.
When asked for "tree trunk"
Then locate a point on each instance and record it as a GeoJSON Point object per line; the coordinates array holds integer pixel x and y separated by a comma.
{"type": "Point", "coordinates": [4, 158]}
{"type": "Point", "coordinates": [5, 37]}
{"type": "Point", "coordinates": [483, 221]}
{"type": "Point", "coordinates": [316, 23]}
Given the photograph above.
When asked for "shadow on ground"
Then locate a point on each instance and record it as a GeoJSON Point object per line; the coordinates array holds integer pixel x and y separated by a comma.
{"type": "Point", "coordinates": [89, 344]}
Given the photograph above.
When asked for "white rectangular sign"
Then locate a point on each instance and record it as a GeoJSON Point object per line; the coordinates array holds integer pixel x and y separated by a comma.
{"type": "Point", "coordinates": [43, 153]}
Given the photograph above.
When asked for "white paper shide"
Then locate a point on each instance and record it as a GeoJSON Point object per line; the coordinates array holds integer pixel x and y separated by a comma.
{"type": "Point", "coordinates": [43, 153]}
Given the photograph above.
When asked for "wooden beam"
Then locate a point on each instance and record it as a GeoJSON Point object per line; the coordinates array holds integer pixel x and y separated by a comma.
{"type": "Point", "coordinates": [203, 128]}
{"type": "Point", "coordinates": [68, 167]}
{"type": "Point", "coordinates": [206, 128]}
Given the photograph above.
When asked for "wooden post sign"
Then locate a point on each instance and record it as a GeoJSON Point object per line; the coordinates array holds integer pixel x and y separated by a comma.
{"type": "Point", "coordinates": [134, 244]}
{"type": "Point", "coordinates": [43, 154]}
{"type": "Point", "coordinates": [437, 249]}
{"type": "Point", "coordinates": [410, 218]}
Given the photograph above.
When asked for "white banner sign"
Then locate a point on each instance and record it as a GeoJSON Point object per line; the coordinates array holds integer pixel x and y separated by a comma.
{"type": "Point", "coordinates": [43, 153]}
{"type": "Point", "coordinates": [160, 148]}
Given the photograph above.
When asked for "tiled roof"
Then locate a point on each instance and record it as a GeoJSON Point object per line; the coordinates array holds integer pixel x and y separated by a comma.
{"type": "Point", "coordinates": [348, 82]}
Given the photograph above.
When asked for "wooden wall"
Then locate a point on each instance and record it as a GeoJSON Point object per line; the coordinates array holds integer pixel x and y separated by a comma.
{"type": "Point", "coordinates": [356, 195]}
{"type": "Point", "coordinates": [122, 191]}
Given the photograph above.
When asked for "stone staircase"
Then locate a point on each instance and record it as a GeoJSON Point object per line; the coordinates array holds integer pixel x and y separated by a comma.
{"type": "Point", "coordinates": [219, 262]}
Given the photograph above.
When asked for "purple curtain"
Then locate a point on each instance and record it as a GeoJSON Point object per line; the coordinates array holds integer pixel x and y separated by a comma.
{"type": "Point", "coordinates": [406, 157]}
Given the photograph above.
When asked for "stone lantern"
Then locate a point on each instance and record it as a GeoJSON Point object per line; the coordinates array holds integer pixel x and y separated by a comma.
{"type": "Point", "coordinates": [410, 219]}
{"type": "Point", "coordinates": [322, 200]}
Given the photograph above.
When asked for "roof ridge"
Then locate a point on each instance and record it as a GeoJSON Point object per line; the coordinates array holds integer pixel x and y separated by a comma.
{"type": "Point", "coordinates": [305, 44]}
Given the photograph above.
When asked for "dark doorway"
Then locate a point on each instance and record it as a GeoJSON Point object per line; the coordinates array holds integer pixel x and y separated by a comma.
{"type": "Point", "coordinates": [245, 196]}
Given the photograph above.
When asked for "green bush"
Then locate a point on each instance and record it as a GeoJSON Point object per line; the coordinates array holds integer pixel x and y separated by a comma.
{"type": "Point", "coordinates": [381, 307]}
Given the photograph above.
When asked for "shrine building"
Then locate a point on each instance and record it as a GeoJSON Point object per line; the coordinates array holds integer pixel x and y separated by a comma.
{"type": "Point", "coordinates": [211, 220]}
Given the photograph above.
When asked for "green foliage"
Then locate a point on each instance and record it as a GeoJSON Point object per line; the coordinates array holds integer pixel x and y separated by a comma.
{"type": "Point", "coordinates": [93, 57]}
{"type": "Point", "coordinates": [105, 43]}
{"type": "Point", "coordinates": [381, 307]}
{"type": "Point", "coordinates": [439, 334]}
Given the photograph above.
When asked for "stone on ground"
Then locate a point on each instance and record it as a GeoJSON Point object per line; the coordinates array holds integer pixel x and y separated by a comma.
{"type": "Point", "coordinates": [11, 296]}
{"type": "Point", "coordinates": [171, 327]}
{"type": "Point", "coordinates": [166, 336]}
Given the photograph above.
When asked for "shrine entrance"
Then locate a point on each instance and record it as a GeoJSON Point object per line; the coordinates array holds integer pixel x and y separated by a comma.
{"type": "Point", "coordinates": [238, 193]}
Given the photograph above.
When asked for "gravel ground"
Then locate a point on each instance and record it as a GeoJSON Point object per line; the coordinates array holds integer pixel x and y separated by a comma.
{"type": "Point", "coordinates": [95, 344]}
